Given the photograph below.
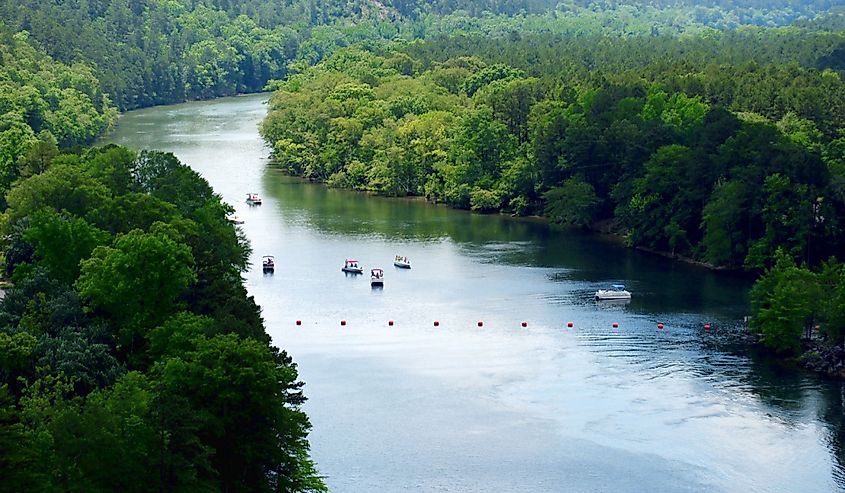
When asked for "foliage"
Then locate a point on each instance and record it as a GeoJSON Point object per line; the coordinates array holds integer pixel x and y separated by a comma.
{"type": "Point", "coordinates": [44, 105]}
{"type": "Point", "coordinates": [573, 203]}
{"type": "Point", "coordinates": [790, 302]}
{"type": "Point", "coordinates": [783, 301]}
{"type": "Point", "coordinates": [688, 161]}
{"type": "Point", "coordinates": [130, 353]}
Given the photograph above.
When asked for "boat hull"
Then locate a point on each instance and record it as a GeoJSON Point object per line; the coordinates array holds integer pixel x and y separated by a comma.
{"type": "Point", "coordinates": [402, 265]}
{"type": "Point", "coordinates": [351, 270]}
{"type": "Point", "coordinates": [612, 295]}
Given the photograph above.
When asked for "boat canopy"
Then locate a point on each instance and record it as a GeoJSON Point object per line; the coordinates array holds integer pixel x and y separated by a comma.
{"type": "Point", "coordinates": [268, 257]}
{"type": "Point", "coordinates": [351, 261]}
{"type": "Point", "coordinates": [618, 286]}
{"type": "Point", "coordinates": [376, 271]}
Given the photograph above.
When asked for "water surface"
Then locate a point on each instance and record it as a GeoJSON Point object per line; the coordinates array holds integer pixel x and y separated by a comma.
{"type": "Point", "coordinates": [463, 408]}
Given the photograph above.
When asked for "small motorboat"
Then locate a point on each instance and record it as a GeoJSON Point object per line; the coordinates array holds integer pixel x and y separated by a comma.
{"type": "Point", "coordinates": [616, 292]}
{"type": "Point", "coordinates": [351, 267]}
{"type": "Point", "coordinates": [402, 262]}
{"type": "Point", "coordinates": [376, 278]}
{"type": "Point", "coordinates": [253, 199]}
{"type": "Point", "coordinates": [268, 263]}
{"type": "Point", "coordinates": [234, 219]}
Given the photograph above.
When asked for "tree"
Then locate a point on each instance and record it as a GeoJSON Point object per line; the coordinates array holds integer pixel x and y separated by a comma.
{"type": "Point", "coordinates": [136, 282]}
{"type": "Point", "coordinates": [19, 459]}
{"type": "Point", "coordinates": [571, 204]}
{"type": "Point", "coordinates": [831, 305]}
{"type": "Point", "coordinates": [489, 74]}
{"type": "Point", "coordinates": [61, 242]}
{"type": "Point", "coordinates": [725, 224]}
{"type": "Point", "coordinates": [666, 203]}
{"type": "Point", "coordinates": [103, 442]}
{"type": "Point", "coordinates": [40, 155]}
{"type": "Point", "coordinates": [511, 101]}
{"type": "Point", "coordinates": [164, 177]}
{"type": "Point", "coordinates": [247, 400]}
{"type": "Point", "coordinates": [782, 302]}
{"type": "Point", "coordinates": [61, 188]}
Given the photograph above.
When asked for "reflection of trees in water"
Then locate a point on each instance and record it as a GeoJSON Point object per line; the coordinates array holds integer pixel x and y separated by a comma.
{"type": "Point", "coordinates": [800, 396]}
{"type": "Point", "coordinates": [796, 397]}
{"type": "Point", "coordinates": [354, 213]}
{"type": "Point", "coordinates": [659, 284]}
{"type": "Point", "coordinates": [833, 413]}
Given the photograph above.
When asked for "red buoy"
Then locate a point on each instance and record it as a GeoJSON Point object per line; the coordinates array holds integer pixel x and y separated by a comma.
{"type": "Point", "coordinates": [615, 325]}
{"type": "Point", "coordinates": [524, 324]}
{"type": "Point", "coordinates": [436, 323]}
{"type": "Point", "coordinates": [480, 323]}
{"type": "Point", "coordinates": [660, 326]}
{"type": "Point", "coordinates": [706, 326]}
{"type": "Point", "coordinates": [299, 322]}
{"type": "Point", "coordinates": [390, 323]}
{"type": "Point", "coordinates": [570, 324]}
{"type": "Point", "coordinates": [343, 322]}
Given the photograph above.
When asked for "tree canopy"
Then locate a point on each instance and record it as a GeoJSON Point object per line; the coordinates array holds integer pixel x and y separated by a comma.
{"type": "Point", "coordinates": [119, 365]}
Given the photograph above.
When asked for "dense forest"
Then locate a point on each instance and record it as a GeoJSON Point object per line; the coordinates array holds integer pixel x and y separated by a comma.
{"type": "Point", "coordinates": [705, 162]}
{"type": "Point", "coordinates": [710, 130]}
{"type": "Point", "coordinates": [44, 105]}
{"type": "Point", "coordinates": [156, 52]}
{"type": "Point", "coordinates": [131, 357]}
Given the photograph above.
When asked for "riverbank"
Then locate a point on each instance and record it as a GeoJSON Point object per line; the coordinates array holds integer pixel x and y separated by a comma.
{"type": "Point", "coordinates": [828, 361]}
{"type": "Point", "coordinates": [816, 357]}
{"type": "Point", "coordinates": [571, 399]}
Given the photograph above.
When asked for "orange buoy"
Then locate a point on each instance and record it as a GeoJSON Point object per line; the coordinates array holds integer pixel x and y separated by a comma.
{"type": "Point", "coordinates": [660, 326]}
{"type": "Point", "coordinates": [615, 325]}
{"type": "Point", "coordinates": [436, 323]}
{"type": "Point", "coordinates": [390, 323]}
{"type": "Point", "coordinates": [524, 324]}
{"type": "Point", "coordinates": [480, 323]}
{"type": "Point", "coordinates": [299, 322]}
{"type": "Point", "coordinates": [343, 322]}
{"type": "Point", "coordinates": [570, 324]}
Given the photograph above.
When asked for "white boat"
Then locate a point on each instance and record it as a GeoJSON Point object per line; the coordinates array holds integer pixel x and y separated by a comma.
{"type": "Point", "coordinates": [402, 262]}
{"type": "Point", "coordinates": [253, 199]}
{"type": "Point", "coordinates": [351, 267]}
{"type": "Point", "coordinates": [234, 219]}
{"type": "Point", "coordinates": [616, 292]}
{"type": "Point", "coordinates": [268, 263]}
{"type": "Point", "coordinates": [376, 278]}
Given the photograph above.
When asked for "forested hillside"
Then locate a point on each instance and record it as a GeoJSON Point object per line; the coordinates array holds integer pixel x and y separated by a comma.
{"type": "Point", "coordinates": [156, 52]}
{"type": "Point", "coordinates": [131, 357]}
{"type": "Point", "coordinates": [44, 105]}
{"type": "Point", "coordinates": [130, 353]}
{"type": "Point", "coordinates": [698, 159]}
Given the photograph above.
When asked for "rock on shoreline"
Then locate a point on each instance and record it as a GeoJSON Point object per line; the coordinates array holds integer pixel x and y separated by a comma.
{"type": "Point", "coordinates": [828, 361]}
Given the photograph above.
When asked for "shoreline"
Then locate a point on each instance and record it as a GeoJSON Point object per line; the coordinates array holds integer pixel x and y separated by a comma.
{"type": "Point", "coordinates": [828, 361]}
{"type": "Point", "coordinates": [605, 229]}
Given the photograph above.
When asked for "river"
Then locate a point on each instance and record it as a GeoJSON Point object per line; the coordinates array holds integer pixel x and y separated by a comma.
{"type": "Point", "coordinates": [502, 407]}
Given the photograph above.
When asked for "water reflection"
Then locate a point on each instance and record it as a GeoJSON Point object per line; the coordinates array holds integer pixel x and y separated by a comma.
{"type": "Point", "coordinates": [658, 284]}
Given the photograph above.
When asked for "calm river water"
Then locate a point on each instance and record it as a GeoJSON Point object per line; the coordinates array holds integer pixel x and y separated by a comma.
{"type": "Point", "coordinates": [502, 408]}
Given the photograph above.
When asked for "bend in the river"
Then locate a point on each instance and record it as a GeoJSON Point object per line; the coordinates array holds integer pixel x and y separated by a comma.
{"type": "Point", "coordinates": [502, 407]}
